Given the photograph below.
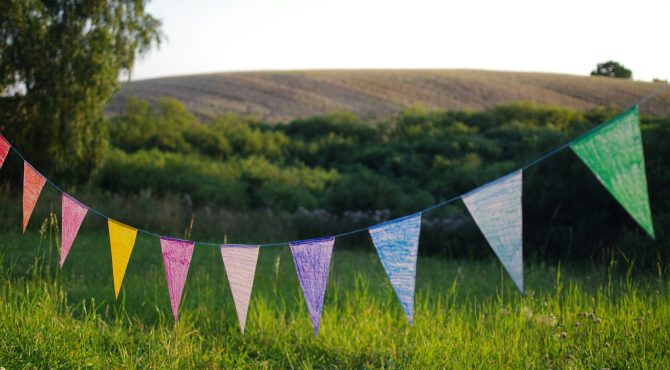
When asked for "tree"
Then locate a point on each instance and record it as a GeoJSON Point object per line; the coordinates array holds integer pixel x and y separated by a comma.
{"type": "Point", "coordinates": [60, 61]}
{"type": "Point", "coordinates": [612, 69]}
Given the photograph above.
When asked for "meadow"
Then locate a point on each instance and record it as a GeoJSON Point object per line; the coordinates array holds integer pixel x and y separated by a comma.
{"type": "Point", "coordinates": [597, 291]}
{"type": "Point", "coordinates": [468, 313]}
{"type": "Point", "coordinates": [276, 156]}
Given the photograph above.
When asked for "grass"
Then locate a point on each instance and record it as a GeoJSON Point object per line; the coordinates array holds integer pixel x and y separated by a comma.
{"type": "Point", "coordinates": [468, 313]}
{"type": "Point", "coordinates": [370, 94]}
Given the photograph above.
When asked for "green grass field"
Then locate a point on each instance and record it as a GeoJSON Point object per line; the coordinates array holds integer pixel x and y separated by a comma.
{"type": "Point", "coordinates": [468, 313]}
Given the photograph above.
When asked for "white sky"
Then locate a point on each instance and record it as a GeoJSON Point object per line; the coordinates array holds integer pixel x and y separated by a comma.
{"type": "Point", "coordinates": [568, 36]}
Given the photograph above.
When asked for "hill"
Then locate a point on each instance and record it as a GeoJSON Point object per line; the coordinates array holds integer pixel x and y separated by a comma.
{"type": "Point", "coordinates": [282, 96]}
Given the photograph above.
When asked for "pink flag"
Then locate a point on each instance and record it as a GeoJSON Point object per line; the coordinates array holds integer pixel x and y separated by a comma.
{"type": "Point", "coordinates": [176, 258]}
{"type": "Point", "coordinates": [73, 214]}
{"type": "Point", "coordinates": [4, 149]}
{"type": "Point", "coordinates": [240, 263]}
{"type": "Point", "coordinates": [33, 183]}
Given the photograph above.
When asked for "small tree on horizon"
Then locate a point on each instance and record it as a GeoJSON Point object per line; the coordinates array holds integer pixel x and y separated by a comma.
{"type": "Point", "coordinates": [612, 69]}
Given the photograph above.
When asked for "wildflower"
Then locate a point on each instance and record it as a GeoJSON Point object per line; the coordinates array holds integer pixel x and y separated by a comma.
{"type": "Point", "coordinates": [598, 320]}
{"type": "Point", "coordinates": [577, 324]}
{"type": "Point", "coordinates": [546, 320]}
{"type": "Point", "coordinates": [607, 345]}
{"type": "Point", "coordinates": [564, 335]}
{"type": "Point", "coordinates": [526, 312]}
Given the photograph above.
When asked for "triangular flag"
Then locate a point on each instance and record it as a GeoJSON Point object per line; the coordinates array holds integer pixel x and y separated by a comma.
{"type": "Point", "coordinates": [312, 262]}
{"type": "Point", "coordinates": [240, 263]}
{"type": "Point", "coordinates": [4, 149]}
{"type": "Point", "coordinates": [33, 183]}
{"type": "Point", "coordinates": [73, 214]}
{"type": "Point", "coordinates": [397, 244]}
{"type": "Point", "coordinates": [176, 258]}
{"type": "Point", "coordinates": [122, 241]}
{"type": "Point", "coordinates": [614, 154]}
{"type": "Point", "coordinates": [496, 208]}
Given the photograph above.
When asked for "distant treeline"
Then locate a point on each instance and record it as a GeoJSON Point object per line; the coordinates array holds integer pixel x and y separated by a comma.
{"type": "Point", "coordinates": [340, 163]}
{"type": "Point", "coordinates": [417, 158]}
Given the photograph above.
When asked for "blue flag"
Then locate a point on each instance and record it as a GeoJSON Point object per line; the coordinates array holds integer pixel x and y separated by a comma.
{"type": "Point", "coordinates": [496, 208]}
{"type": "Point", "coordinates": [397, 243]}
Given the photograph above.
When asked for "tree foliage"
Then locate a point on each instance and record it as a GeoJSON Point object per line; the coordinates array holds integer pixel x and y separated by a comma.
{"type": "Point", "coordinates": [612, 69]}
{"type": "Point", "coordinates": [60, 61]}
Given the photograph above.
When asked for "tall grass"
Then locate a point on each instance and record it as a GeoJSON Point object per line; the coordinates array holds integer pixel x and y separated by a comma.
{"type": "Point", "coordinates": [468, 314]}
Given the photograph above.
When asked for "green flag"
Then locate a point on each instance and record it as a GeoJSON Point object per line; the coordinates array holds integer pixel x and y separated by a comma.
{"type": "Point", "coordinates": [614, 154]}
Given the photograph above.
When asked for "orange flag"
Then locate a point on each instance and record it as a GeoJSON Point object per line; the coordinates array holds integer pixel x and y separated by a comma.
{"type": "Point", "coordinates": [33, 183]}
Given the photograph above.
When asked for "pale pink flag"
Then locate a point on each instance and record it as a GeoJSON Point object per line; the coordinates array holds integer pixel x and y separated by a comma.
{"type": "Point", "coordinates": [240, 262]}
{"type": "Point", "coordinates": [176, 258]}
{"type": "Point", "coordinates": [73, 214]}
{"type": "Point", "coordinates": [33, 182]}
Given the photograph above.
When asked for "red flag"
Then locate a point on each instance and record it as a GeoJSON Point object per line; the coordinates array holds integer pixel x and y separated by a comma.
{"type": "Point", "coordinates": [4, 149]}
{"type": "Point", "coordinates": [33, 182]}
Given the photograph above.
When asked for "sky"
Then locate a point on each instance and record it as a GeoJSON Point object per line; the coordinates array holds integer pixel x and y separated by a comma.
{"type": "Point", "coordinates": [569, 36]}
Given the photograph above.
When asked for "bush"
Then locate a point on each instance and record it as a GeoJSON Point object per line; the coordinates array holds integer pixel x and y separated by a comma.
{"type": "Point", "coordinates": [417, 158]}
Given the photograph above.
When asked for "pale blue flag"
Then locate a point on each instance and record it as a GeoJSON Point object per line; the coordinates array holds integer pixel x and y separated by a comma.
{"type": "Point", "coordinates": [397, 243]}
{"type": "Point", "coordinates": [496, 208]}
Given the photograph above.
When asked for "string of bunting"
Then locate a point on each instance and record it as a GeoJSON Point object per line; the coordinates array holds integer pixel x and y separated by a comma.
{"type": "Point", "coordinates": [612, 151]}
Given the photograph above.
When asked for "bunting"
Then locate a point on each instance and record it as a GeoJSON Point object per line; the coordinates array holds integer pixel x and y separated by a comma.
{"type": "Point", "coordinates": [240, 263]}
{"type": "Point", "coordinates": [496, 208]}
{"type": "Point", "coordinates": [121, 241]}
{"type": "Point", "coordinates": [33, 182]}
{"type": "Point", "coordinates": [177, 259]}
{"type": "Point", "coordinates": [397, 243]}
{"type": "Point", "coordinates": [73, 214]}
{"type": "Point", "coordinates": [614, 154]}
{"type": "Point", "coordinates": [4, 149]}
{"type": "Point", "coordinates": [312, 263]}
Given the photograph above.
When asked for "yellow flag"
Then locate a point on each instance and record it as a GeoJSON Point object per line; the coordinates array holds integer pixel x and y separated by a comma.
{"type": "Point", "coordinates": [122, 240]}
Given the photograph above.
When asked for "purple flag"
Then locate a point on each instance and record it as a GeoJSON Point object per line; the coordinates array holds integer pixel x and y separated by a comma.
{"type": "Point", "coordinates": [176, 258]}
{"type": "Point", "coordinates": [312, 262]}
{"type": "Point", "coordinates": [240, 262]}
{"type": "Point", "coordinates": [73, 214]}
